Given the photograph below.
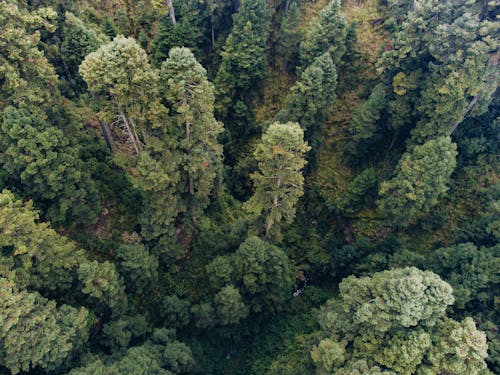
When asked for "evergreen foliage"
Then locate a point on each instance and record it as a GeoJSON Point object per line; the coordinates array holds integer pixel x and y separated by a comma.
{"type": "Point", "coordinates": [279, 183]}
{"type": "Point", "coordinates": [421, 179]}
{"type": "Point", "coordinates": [330, 205]}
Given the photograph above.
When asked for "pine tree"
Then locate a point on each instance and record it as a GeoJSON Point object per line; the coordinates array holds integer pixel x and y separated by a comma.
{"type": "Point", "coordinates": [33, 255]}
{"type": "Point", "coordinates": [121, 73]}
{"type": "Point", "coordinates": [279, 183]}
{"type": "Point", "coordinates": [242, 68]}
{"type": "Point", "coordinates": [421, 179]}
{"type": "Point", "coordinates": [190, 97]}
{"type": "Point", "coordinates": [37, 157]}
{"type": "Point", "coordinates": [325, 33]}
{"type": "Point", "coordinates": [35, 333]}
{"type": "Point", "coordinates": [26, 77]}
{"type": "Point", "coordinates": [310, 98]}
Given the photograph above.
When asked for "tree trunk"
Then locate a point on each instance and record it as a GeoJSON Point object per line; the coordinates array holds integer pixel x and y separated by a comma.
{"type": "Point", "coordinates": [287, 6]}
{"type": "Point", "coordinates": [108, 136]}
{"type": "Point", "coordinates": [171, 12]}
{"type": "Point", "coordinates": [212, 34]}
{"type": "Point", "coordinates": [492, 61]}
{"type": "Point", "coordinates": [128, 128]}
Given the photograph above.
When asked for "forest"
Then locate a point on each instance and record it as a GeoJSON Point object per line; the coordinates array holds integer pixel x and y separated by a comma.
{"type": "Point", "coordinates": [249, 187]}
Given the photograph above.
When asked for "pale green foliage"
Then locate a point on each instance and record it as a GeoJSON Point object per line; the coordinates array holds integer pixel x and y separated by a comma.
{"type": "Point", "coordinates": [120, 71]}
{"type": "Point", "coordinates": [459, 348]}
{"type": "Point", "coordinates": [34, 332]}
{"type": "Point", "coordinates": [404, 351]}
{"type": "Point", "coordinates": [394, 323]}
{"type": "Point", "coordinates": [102, 283]}
{"type": "Point", "coordinates": [138, 267]}
{"type": "Point", "coordinates": [262, 272]}
{"type": "Point", "coordinates": [397, 298]}
{"type": "Point", "coordinates": [229, 306]}
{"type": "Point", "coordinates": [279, 183]}
{"type": "Point", "coordinates": [26, 77]}
{"type": "Point", "coordinates": [32, 254]}
{"type": "Point", "coordinates": [325, 33]}
{"type": "Point", "coordinates": [328, 354]}
{"type": "Point", "coordinates": [421, 179]}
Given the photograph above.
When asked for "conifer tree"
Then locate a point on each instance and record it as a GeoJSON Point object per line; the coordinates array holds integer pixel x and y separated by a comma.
{"type": "Point", "coordinates": [325, 33]}
{"type": "Point", "coordinates": [38, 158]}
{"type": "Point", "coordinates": [35, 333]}
{"type": "Point", "coordinates": [310, 98]}
{"type": "Point", "coordinates": [242, 67]}
{"type": "Point", "coordinates": [421, 179]}
{"type": "Point", "coordinates": [78, 41]}
{"type": "Point", "coordinates": [289, 37]}
{"type": "Point", "coordinates": [32, 254]}
{"type": "Point", "coordinates": [121, 73]}
{"type": "Point", "coordinates": [279, 183]}
{"type": "Point", "coordinates": [395, 323]}
{"type": "Point", "coordinates": [26, 77]}
{"type": "Point", "coordinates": [190, 97]}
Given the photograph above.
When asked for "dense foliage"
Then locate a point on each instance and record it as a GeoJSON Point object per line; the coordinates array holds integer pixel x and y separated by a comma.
{"type": "Point", "coordinates": [249, 187]}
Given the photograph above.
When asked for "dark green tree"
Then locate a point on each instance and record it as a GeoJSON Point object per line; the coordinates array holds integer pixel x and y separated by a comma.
{"type": "Point", "coordinates": [358, 194]}
{"type": "Point", "coordinates": [421, 179]}
{"type": "Point", "coordinates": [310, 98]}
{"type": "Point", "coordinates": [243, 66]}
{"type": "Point", "coordinates": [325, 33]}
{"type": "Point", "coordinates": [190, 98]}
{"type": "Point", "coordinates": [262, 272]}
{"type": "Point", "coordinates": [38, 158]}
{"type": "Point", "coordinates": [138, 267]}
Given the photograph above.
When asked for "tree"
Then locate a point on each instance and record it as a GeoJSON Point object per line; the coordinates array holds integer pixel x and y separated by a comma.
{"type": "Point", "coordinates": [279, 183]}
{"type": "Point", "coordinates": [421, 179]}
{"type": "Point", "coordinates": [229, 306]}
{"type": "Point", "coordinates": [103, 285]}
{"type": "Point", "coordinates": [242, 67]}
{"type": "Point", "coordinates": [450, 64]}
{"type": "Point", "coordinates": [78, 41]}
{"type": "Point", "coordinates": [325, 33]}
{"type": "Point", "coordinates": [138, 267]}
{"type": "Point", "coordinates": [187, 32]}
{"type": "Point", "coordinates": [394, 322]}
{"type": "Point", "coordinates": [288, 39]}
{"type": "Point", "coordinates": [38, 158]}
{"type": "Point", "coordinates": [310, 98]}
{"type": "Point", "coordinates": [121, 73]}
{"type": "Point", "coordinates": [190, 98]}
{"type": "Point", "coordinates": [358, 193]}
{"type": "Point", "coordinates": [161, 354]}
{"type": "Point", "coordinates": [36, 333]}
{"type": "Point", "coordinates": [33, 255]}
{"type": "Point", "coordinates": [262, 272]}
{"type": "Point", "coordinates": [26, 77]}
{"type": "Point", "coordinates": [365, 116]}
